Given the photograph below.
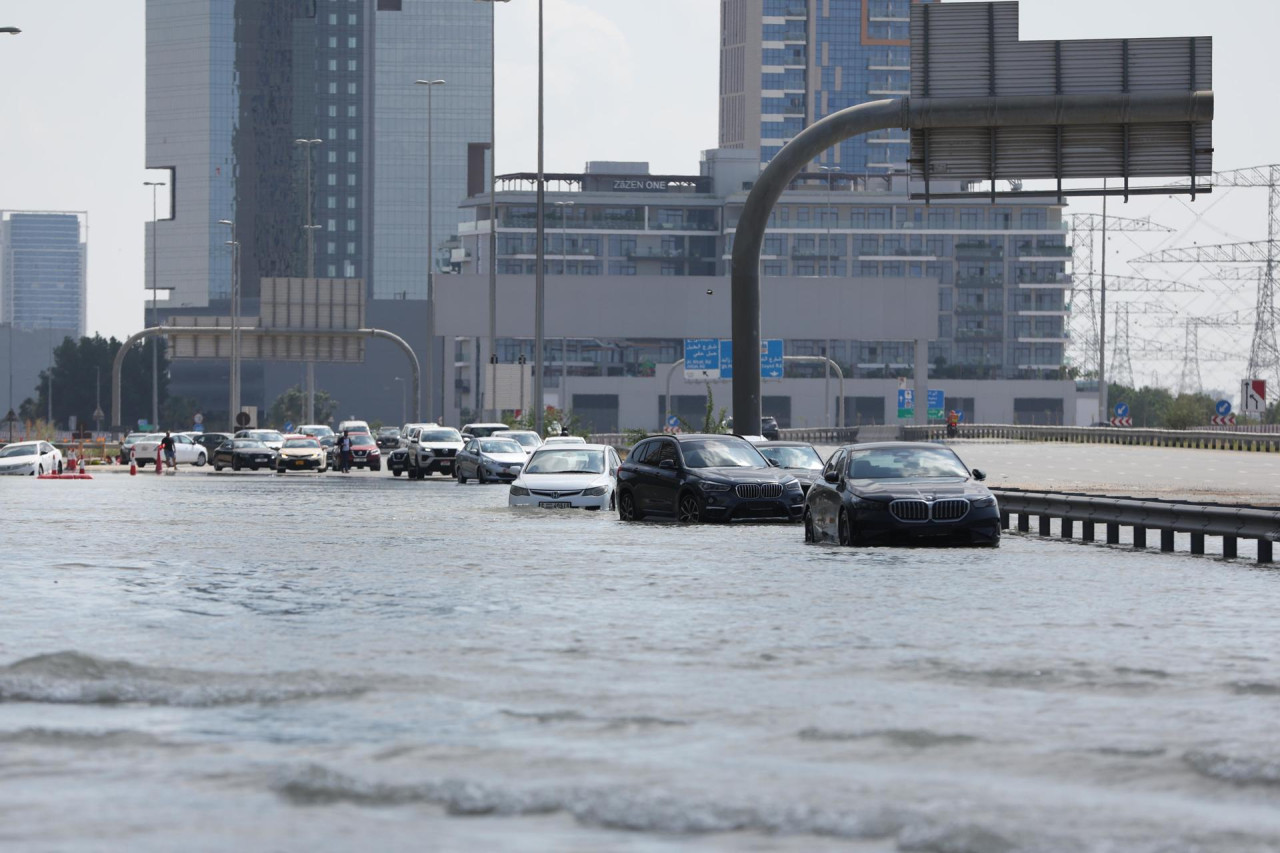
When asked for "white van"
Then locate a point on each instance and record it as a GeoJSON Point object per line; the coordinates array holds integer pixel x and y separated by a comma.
{"type": "Point", "coordinates": [354, 426]}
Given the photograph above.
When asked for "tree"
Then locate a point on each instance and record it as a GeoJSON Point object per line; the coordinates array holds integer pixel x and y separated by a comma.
{"type": "Point", "coordinates": [290, 407]}
{"type": "Point", "coordinates": [82, 377]}
{"type": "Point", "coordinates": [566, 420]}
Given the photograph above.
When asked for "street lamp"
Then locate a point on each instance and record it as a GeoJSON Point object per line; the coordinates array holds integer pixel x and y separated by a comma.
{"type": "Point", "coordinates": [493, 203]}
{"type": "Point", "coordinates": [235, 322]}
{"type": "Point", "coordinates": [826, 369]}
{"type": "Point", "coordinates": [13, 31]}
{"type": "Point", "coordinates": [431, 267]}
{"type": "Point", "coordinates": [155, 313]}
{"type": "Point", "coordinates": [311, 272]}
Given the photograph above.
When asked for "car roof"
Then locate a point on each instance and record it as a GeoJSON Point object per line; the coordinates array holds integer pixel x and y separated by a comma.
{"type": "Point", "coordinates": [901, 445]}
{"type": "Point", "coordinates": [523, 432]}
{"type": "Point", "coordinates": [695, 436]}
{"type": "Point", "coordinates": [487, 424]}
{"type": "Point", "coordinates": [550, 448]}
{"type": "Point", "coordinates": [783, 444]}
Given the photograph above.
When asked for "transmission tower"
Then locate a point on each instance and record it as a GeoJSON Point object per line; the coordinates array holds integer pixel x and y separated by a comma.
{"type": "Point", "coordinates": [1084, 280]}
{"type": "Point", "coordinates": [1190, 379]}
{"type": "Point", "coordinates": [1121, 355]}
{"type": "Point", "coordinates": [1264, 356]}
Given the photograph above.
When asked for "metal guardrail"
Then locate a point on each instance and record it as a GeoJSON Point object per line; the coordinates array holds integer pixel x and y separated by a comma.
{"type": "Point", "coordinates": [1199, 439]}
{"type": "Point", "coordinates": [1231, 522]}
{"type": "Point", "coordinates": [833, 435]}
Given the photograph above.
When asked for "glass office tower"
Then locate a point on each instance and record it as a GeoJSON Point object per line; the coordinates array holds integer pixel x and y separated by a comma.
{"type": "Point", "coordinates": [42, 270]}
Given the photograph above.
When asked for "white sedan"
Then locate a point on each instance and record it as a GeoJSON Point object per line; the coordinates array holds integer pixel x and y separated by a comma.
{"type": "Point", "coordinates": [526, 438]}
{"type": "Point", "coordinates": [567, 476]}
{"type": "Point", "coordinates": [185, 450]}
{"type": "Point", "coordinates": [565, 439]}
{"type": "Point", "coordinates": [30, 457]}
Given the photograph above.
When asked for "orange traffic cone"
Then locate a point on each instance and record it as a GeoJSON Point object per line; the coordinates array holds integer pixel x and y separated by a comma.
{"type": "Point", "coordinates": [159, 464]}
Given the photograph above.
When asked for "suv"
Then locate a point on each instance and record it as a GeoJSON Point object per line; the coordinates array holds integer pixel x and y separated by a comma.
{"type": "Point", "coordinates": [697, 477]}
{"type": "Point", "coordinates": [425, 449]}
{"type": "Point", "coordinates": [483, 430]}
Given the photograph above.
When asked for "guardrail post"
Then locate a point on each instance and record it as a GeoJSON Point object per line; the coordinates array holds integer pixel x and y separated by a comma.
{"type": "Point", "coordinates": [1230, 547]}
{"type": "Point", "coordinates": [1166, 540]}
{"type": "Point", "coordinates": [1045, 521]}
{"type": "Point", "coordinates": [1264, 550]}
{"type": "Point", "coordinates": [1197, 543]}
{"type": "Point", "coordinates": [1004, 520]}
{"type": "Point", "coordinates": [1068, 527]}
{"type": "Point", "coordinates": [1139, 536]}
{"type": "Point", "coordinates": [1086, 531]}
{"type": "Point", "coordinates": [1113, 533]}
{"type": "Point", "coordinates": [1024, 523]}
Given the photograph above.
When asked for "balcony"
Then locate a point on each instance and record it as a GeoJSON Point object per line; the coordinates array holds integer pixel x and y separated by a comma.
{"type": "Point", "coordinates": [817, 254]}
{"type": "Point", "coordinates": [973, 282]}
{"type": "Point", "coordinates": [896, 254]}
{"type": "Point", "coordinates": [978, 250]}
{"type": "Point", "coordinates": [661, 254]}
{"type": "Point", "coordinates": [1030, 250]}
{"type": "Point", "coordinates": [979, 335]}
{"type": "Point", "coordinates": [971, 310]}
{"type": "Point", "coordinates": [1061, 279]}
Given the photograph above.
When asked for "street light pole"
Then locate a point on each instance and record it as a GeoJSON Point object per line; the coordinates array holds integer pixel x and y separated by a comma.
{"type": "Point", "coordinates": [235, 323]}
{"type": "Point", "coordinates": [155, 315]}
{"type": "Point", "coordinates": [311, 273]}
{"type": "Point", "coordinates": [431, 267]}
{"type": "Point", "coordinates": [826, 371]}
{"type": "Point", "coordinates": [564, 270]}
{"type": "Point", "coordinates": [540, 279]}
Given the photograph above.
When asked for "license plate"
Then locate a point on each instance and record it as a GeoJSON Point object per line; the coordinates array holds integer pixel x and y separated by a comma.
{"type": "Point", "coordinates": [300, 463]}
{"type": "Point", "coordinates": [555, 505]}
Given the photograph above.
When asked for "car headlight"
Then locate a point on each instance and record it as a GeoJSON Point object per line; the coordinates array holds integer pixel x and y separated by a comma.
{"type": "Point", "coordinates": [792, 485]}
{"type": "Point", "coordinates": [519, 492]}
{"type": "Point", "coordinates": [869, 506]}
{"type": "Point", "coordinates": [709, 486]}
{"type": "Point", "coordinates": [982, 503]}
{"type": "Point", "coordinates": [595, 492]}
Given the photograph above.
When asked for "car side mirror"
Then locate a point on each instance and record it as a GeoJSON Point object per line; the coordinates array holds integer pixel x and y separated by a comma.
{"type": "Point", "coordinates": [668, 464]}
{"type": "Point", "coordinates": [979, 474]}
{"type": "Point", "coordinates": [773, 463]}
{"type": "Point", "coordinates": [831, 477]}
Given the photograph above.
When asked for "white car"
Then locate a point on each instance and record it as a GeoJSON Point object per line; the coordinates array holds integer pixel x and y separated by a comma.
{"type": "Point", "coordinates": [185, 450]}
{"type": "Point", "coordinates": [354, 426]}
{"type": "Point", "coordinates": [526, 438]}
{"type": "Point", "coordinates": [30, 457]}
{"type": "Point", "coordinates": [314, 430]}
{"type": "Point", "coordinates": [568, 476]}
{"type": "Point", "coordinates": [565, 439]}
{"type": "Point", "coordinates": [269, 437]}
{"type": "Point", "coordinates": [430, 448]}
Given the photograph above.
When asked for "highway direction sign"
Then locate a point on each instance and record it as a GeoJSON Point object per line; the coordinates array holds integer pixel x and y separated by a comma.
{"type": "Point", "coordinates": [1223, 407]}
{"type": "Point", "coordinates": [1122, 410]}
{"type": "Point", "coordinates": [1253, 396]}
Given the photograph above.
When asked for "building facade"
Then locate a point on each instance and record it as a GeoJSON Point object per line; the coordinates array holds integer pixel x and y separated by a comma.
{"type": "Point", "coordinates": [233, 90]}
{"type": "Point", "coordinates": [784, 64]}
{"type": "Point", "coordinates": [43, 280]}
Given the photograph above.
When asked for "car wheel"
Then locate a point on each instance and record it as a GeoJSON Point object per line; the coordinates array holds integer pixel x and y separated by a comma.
{"type": "Point", "coordinates": [235, 464]}
{"type": "Point", "coordinates": [844, 532]}
{"type": "Point", "coordinates": [217, 467]}
{"type": "Point", "coordinates": [375, 467]}
{"type": "Point", "coordinates": [810, 535]}
{"type": "Point", "coordinates": [627, 509]}
{"type": "Point", "coordinates": [689, 509]}
{"type": "Point", "coordinates": [457, 475]}
{"type": "Point", "coordinates": [613, 502]}
{"type": "Point", "coordinates": [480, 475]}
{"type": "Point", "coordinates": [395, 472]}
{"type": "Point", "coordinates": [253, 467]}
{"type": "Point", "coordinates": [200, 460]}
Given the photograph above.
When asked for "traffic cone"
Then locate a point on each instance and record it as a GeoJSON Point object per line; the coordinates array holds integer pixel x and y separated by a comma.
{"type": "Point", "coordinates": [81, 464]}
{"type": "Point", "coordinates": [133, 463]}
{"type": "Point", "coordinates": [159, 464]}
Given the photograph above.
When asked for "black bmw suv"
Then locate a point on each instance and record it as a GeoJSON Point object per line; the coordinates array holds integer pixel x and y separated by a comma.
{"type": "Point", "coordinates": [694, 478]}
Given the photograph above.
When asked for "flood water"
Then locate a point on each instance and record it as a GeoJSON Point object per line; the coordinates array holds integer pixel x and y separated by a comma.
{"type": "Point", "coordinates": [257, 662]}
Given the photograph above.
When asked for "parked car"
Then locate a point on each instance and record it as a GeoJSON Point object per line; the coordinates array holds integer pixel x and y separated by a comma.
{"type": "Point", "coordinates": [302, 453]}
{"type": "Point", "coordinates": [353, 426]}
{"type": "Point", "coordinates": [769, 428]}
{"type": "Point", "coordinates": [128, 444]}
{"type": "Point", "coordinates": [489, 460]}
{"type": "Point", "coordinates": [30, 457]}
{"type": "Point", "coordinates": [697, 477]}
{"type": "Point", "coordinates": [365, 452]}
{"type": "Point", "coordinates": [240, 453]}
{"type": "Point", "coordinates": [567, 477]}
{"type": "Point", "coordinates": [330, 445]}
{"type": "Point", "coordinates": [430, 448]}
{"type": "Point", "coordinates": [388, 438]}
{"type": "Point", "coordinates": [799, 459]}
{"type": "Point", "coordinates": [565, 439]}
{"type": "Point", "coordinates": [526, 438]}
{"type": "Point", "coordinates": [186, 451]}
{"type": "Point", "coordinates": [482, 430]}
{"type": "Point", "coordinates": [900, 491]}
{"type": "Point", "coordinates": [271, 438]}
{"type": "Point", "coordinates": [209, 440]}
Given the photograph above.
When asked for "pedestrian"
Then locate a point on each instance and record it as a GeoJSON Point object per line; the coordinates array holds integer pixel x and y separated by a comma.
{"type": "Point", "coordinates": [170, 451]}
{"type": "Point", "coordinates": [344, 452]}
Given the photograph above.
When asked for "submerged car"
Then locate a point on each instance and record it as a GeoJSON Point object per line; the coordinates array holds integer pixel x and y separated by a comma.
{"type": "Point", "coordinates": [800, 459]}
{"type": "Point", "coordinates": [695, 478]}
{"type": "Point", "coordinates": [489, 460]}
{"type": "Point", "coordinates": [581, 476]}
{"type": "Point", "coordinates": [30, 457]}
{"type": "Point", "coordinates": [302, 453]}
{"type": "Point", "coordinates": [365, 452]}
{"type": "Point", "coordinates": [427, 448]}
{"type": "Point", "coordinates": [243, 453]}
{"type": "Point", "coordinates": [900, 491]}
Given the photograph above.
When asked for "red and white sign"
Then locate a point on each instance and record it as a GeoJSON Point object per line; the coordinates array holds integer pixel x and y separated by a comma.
{"type": "Point", "coordinates": [1253, 396]}
{"type": "Point", "coordinates": [1224, 420]}
{"type": "Point", "coordinates": [1122, 422]}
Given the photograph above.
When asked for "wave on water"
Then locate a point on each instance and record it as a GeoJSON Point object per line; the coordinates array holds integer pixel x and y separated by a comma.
{"type": "Point", "coordinates": [566, 716]}
{"type": "Point", "coordinates": [79, 739]}
{"type": "Point", "coordinates": [641, 811]}
{"type": "Point", "coordinates": [74, 678]}
{"type": "Point", "coordinates": [1237, 770]}
{"type": "Point", "coordinates": [916, 738]}
{"type": "Point", "coordinates": [1254, 688]}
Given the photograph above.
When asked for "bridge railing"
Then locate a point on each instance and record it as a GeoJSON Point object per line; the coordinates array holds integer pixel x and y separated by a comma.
{"type": "Point", "coordinates": [1203, 439]}
{"type": "Point", "coordinates": [1230, 521]}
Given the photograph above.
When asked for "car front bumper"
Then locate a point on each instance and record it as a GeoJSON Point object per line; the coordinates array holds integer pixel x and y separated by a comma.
{"type": "Point", "coordinates": [979, 526]}
{"type": "Point", "coordinates": [290, 463]}
{"type": "Point", "coordinates": [727, 506]}
{"type": "Point", "coordinates": [578, 501]}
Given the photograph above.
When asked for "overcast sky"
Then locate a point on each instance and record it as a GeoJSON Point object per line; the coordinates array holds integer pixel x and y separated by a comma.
{"type": "Point", "coordinates": [626, 80]}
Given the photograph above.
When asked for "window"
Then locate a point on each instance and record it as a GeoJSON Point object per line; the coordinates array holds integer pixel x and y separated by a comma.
{"type": "Point", "coordinates": [333, 19]}
{"type": "Point", "coordinates": [351, 42]}
{"type": "Point", "coordinates": [333, 65]}
{"type": "Point", "coordinates": [333, 133]}
{"type": "Point", "coordinates": [665, 450]}
{"type": "Point", "coordinates": [333, 41]}
{"type": "Point", "coordinates": [332, 179]}
{"type": "Point", "coordinates": [330, 247]}
{"type": "Point", "coordinates": [351, 202]}
{"type": "Point", "coordinates": [332, 225]}
{"type": "Point", "coordinates": [351, 111]}
{"type": "Point", "coordinates": [351, 225]}
{"type": "Point", "coordinates": [640, 453]}
{"type": "Point", "coordinates": [331, 202]}
{"type": "Point", "coordinates": [351, 65]}
{"type": "Point", "coordinates": [333, 88]}
{"type": "Point", "coordinates": [351, 133]}
{"type": "Point", "coordinates": [351, 179]}
{"type": "Point", "coordinates": [333, 271]}
{"type": "Point", "coordinates": [351, 88]}
{"type": "Point", "coordinates": [351, 19]}
{"type": "Point", "coordinates": [351, 247]}
{"type": "Point", "coordinates": [351, 156]}
{"type": "Point", "coordinates": [333, 156]}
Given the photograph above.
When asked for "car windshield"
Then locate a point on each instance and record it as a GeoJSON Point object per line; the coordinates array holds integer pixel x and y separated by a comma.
{"type": "Point", "coordinates": [793, 457]}
{"type": "Point", "coordinates": [265, 435]}
{"type": "Point", "coordinates": [566, 461]}
{"type": "Point", "coordinates": [317, 431]}
{"type": "Point", "coordinates": [440, 435]}
{"type": "Point", "coordinates": [249, 444]}
{"type": "Point", "coordinates": [480, 431]}
{"type": "Point", "coordinates": [310, 443]}
{"type": "Point", "coordinates": [361, 439]}
{"type": "Point", "coordinates": [566, 439]}
{"type": "Point", "coordinates": [134, 437]}
{"type": "Point", "coordinates": [900, 463]}
{"type": "Point", "coordinates": [18, 450]}
{"type": "Point", "coordinates": [527, 439]}
{"type": "Point", "coordinates": [722, 453]}
{"type": "Point", "coordinates": [499, 445]}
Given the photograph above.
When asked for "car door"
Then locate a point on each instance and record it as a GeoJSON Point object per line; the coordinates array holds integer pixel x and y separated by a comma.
{"type": "Point", "coordinates": [660, 481]}
{"type": "Point", "coordinates": [629, 474]}
{"type": "Point", "coordinates": [185, 450]}
{"type": "Point", "coordinates": [827, 497]}
{"type": "Point", "coordinates": [470, 457]}
{"type": "Point", "coordinates": [48, 457]}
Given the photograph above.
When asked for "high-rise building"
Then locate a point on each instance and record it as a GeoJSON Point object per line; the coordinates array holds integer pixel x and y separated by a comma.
{"type": "Point", "coordinates": [784, 64]}
{"type": "Point", "coordinates": [42, 270]}
{"type": "Point", "coordinates": [234, 87]}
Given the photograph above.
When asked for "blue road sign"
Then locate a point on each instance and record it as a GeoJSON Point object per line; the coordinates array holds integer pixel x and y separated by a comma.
{"type": "Point", "coordinates": [1122, 410]}
{"type": "Point", "coordinates": [288, 426]}
{"type": "Point", "coordinates": [726, 358]}
{"type": "Point", "coordinates": [1223, 407]}
{"type": "Point", "coordinates": [701, 358]}
{"type": "Point", "coordinates": [771, 358]}
{"type": "Point", "coordinates": [673, 421]}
